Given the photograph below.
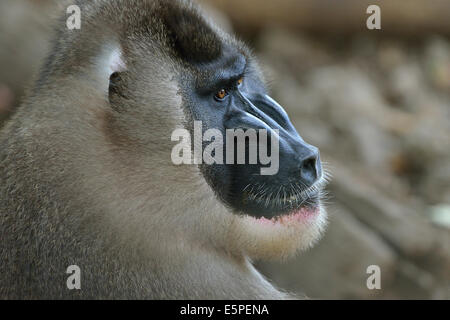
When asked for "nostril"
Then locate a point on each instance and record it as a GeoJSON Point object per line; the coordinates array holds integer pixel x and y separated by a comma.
{"type": "Point", "coordinates": [308, 170]}
{"type": "Point", "coordinates": [310, 163]}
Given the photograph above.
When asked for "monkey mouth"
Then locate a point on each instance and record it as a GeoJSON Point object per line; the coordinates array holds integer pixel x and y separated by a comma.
{"type": "Point", "coordinates": [278, 204]}
{"type": "Point", "coordinates": [301, 214]}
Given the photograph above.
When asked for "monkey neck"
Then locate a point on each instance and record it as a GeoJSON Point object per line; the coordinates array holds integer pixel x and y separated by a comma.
{"type": "Point", "coordinates": [158, 220]}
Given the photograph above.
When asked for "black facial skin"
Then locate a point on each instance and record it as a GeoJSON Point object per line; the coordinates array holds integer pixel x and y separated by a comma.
{"type": "Point", "coordinates": [247, 106]}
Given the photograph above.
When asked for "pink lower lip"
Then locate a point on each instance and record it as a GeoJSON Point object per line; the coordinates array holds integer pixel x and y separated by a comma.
{"type": "Point", "coordinates": [299, 215]}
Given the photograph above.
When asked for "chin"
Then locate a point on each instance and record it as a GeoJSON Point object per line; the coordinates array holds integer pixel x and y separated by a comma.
{"type": "Point", "coordinates": [282, 235]}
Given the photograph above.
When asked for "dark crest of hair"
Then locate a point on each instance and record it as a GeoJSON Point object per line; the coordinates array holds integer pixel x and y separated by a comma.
{"type": "Point", "coordinates": [191, 38]}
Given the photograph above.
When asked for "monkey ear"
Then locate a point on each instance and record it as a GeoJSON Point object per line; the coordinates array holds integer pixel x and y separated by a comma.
{"type": "Point", "coordinates": [109, 62]}
{"type": "Point", "coordinates": [116, 70]}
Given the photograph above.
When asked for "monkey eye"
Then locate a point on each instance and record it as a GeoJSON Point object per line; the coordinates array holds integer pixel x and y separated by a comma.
{"type": "Point", "coordinates": [221, 94]}
{"type": "Point", "coordinates": [239, 82]}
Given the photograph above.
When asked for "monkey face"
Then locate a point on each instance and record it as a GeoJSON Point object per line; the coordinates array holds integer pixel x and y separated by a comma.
{"type": "Point", "coordinates": [274, 192]}
{"type": "Point", "coordinates": [272, 172]}
{"type": "Point", "coordinates": [271, 181]}
{"type": "Point", "coordinates": [269, 174]}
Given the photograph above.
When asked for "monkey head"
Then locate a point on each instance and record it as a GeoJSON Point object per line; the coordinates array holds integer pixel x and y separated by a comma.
{"type": "Point", "coordinates": [199, 74]}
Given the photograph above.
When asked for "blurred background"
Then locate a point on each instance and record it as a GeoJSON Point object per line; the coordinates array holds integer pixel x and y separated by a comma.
{"type": "Point", "coordinates": [376, 103]}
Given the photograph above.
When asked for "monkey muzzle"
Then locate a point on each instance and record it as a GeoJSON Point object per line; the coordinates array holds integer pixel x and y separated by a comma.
{"type": "Point", "coordinates": [293, 189]}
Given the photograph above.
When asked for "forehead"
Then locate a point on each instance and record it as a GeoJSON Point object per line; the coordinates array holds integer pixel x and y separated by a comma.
{"type": "Point", "coordinates": [188, 34]}
{"type": "Point", "coordinates": [201, 47]}
{"type": "Point", "coordinates": [193, 38]}
{"type": "Point", "coordinates": [190, 41]}
{"type": "Point", "coordinates": [231, 63]}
